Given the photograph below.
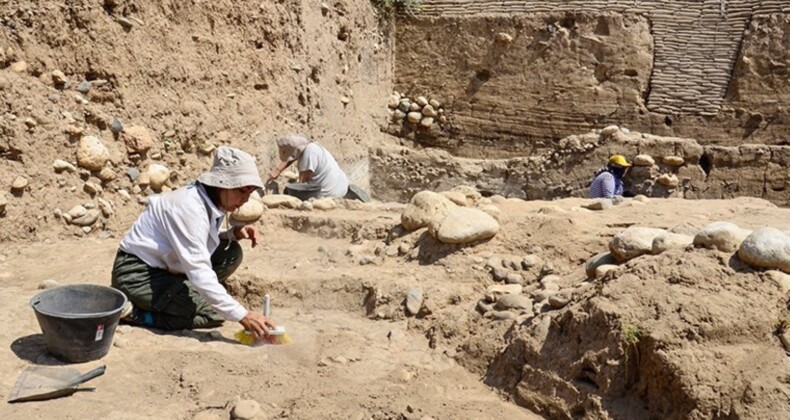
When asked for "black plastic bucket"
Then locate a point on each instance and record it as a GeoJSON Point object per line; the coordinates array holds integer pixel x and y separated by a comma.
{"type": "Point", "coordinates": [303, 191]}
{"type": "Point", "coordinates": [78, 321]}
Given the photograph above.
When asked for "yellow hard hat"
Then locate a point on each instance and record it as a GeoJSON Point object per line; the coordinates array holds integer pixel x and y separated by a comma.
{"type": "Point", "coordinates": [619, 160]}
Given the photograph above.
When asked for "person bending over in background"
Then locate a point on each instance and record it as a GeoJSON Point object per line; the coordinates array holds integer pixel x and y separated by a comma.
{"type": "Point", "coordinates": [608, 181]}
{"type": "Point", "coordinates": [173, 262]}
{"type": "Point", "coordinates": [318, 169]}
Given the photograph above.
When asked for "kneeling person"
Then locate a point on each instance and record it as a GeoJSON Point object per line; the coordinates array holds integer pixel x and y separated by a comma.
{"type": "Point", "coordinates": [174, 260]}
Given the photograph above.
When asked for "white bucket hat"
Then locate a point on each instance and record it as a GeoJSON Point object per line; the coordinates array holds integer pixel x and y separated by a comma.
{"type": "Point", "coordinates": [232, 168]}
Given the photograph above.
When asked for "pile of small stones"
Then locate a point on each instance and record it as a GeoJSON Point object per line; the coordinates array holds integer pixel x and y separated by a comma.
{"type": "Point", "coordinates": [419, 111]}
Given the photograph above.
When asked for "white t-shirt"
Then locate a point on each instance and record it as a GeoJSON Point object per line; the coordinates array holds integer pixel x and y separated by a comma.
{"type": "Point", "coordinates": [326, 171]}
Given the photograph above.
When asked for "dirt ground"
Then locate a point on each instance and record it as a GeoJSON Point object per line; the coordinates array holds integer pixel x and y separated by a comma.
{"type": "Point", "coordinates": [356, 354]}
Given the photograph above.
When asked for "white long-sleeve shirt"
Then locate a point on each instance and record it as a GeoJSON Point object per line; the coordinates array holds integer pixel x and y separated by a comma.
{"type": "Point", "coordinates": [178, 231]}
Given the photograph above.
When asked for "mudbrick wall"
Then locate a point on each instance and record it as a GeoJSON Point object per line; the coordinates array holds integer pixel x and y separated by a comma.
{"type": "Point", "coordinates": [517, 80]}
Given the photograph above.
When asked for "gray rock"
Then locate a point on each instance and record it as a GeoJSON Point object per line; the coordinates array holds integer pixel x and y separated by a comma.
{"type": "Point", "coordinates": [132, 173]}
{"type": "Point", "coordinates": [245, 410]}
{"type": "Point", "coordinates": [116, 126]}
{"type": "Point", "coordinates": [513, 302]}
{"type": "Point", "coordinates": [767, 248]}
{"type": "Point", "coordinates": [84, 87]}
{"type": "Point", "coordinates": [414, 300]}
{"type": "Point", "coordinates": [404, 105]}
{"type": "Point", "coordinates": [724, 236]}
{"type": "Point", "coordinates": [633, 242]}
{"type": "Point", "coordinates": [598, 260]}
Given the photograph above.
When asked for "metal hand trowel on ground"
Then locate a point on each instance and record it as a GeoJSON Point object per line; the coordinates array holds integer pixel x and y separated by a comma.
{"type": "Point", "coordinates": [38, 383]}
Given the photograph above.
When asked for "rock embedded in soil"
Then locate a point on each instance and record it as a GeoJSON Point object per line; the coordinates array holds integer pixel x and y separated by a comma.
{"type": "Point", "coordinates": [464, 225]}
{"type": "Point", "coordinates": [601, 270]}
{"type": "Point", "coordinates": [426, 122]}
{"type": "Point", "coordinates": [414, 117]}
{"type": "Point", "coordinates": [514, 278]}
{"type": "Point", "coordinates": [596, 261]}
{"type": "Point", "coordinates": [3, 203]}
{"type": "Point", "coordinates": [59, 78]}
{"type": "Point", "coordinates": [670, 240]}
{"type": "Point", "coordinates": [91, 153]}
{"type": "Point", "coordinates": [158, 175]}
{"type": "Point", "coordinates": [644, 160]}
{"type": "Point", "coordinates": [767, 248]}
{"type": "Point", "coordinates": [89, 218]}
{"type": "Point", "coordinates": [499, 273]}
{"type": "Point", "coordinates": [425, 208]}
{"type": "Point", "coordinates": [137, 139]}
{"type": "Point", "coordinates": [434, 103]}
{"type": "Point", "coordinates": [633, 242]}
{"type": "Point", "coordinates": [77, 211]}
{"type": "Point", "coordinates": [609, 131]}
{"type": "Point", "coordinates": [245, 410]}
{"type": "Point", "coordinates": [724, 236]}
{"type": "Point", "coordinates": [513, 302]}
{"type": "Point", "coordinates": [494, 292]}
{"type": "Point", "coordinates": [429, 111]}
{"type": "Point", "coordinates": [503, 38]}
{"type": "Point", "coordinates": [530, 261]}
{"type": "Point", "coordinates": [116, 126]}
{"type": "Point", "coordinates": [393, 101]}
{"type": "Point", "coordinates": [600, 204]}
{"type": "Point", "coordinates": [325, 204]}
{"type": "Point", "coordinates": [19, 183]}
{"type": "Point", "coordinates": [668, 180]}
{"type": "Point", "coordinates": [560, 299]}
{"type": "Point", "coordinates": [673, 160]}
{"type": "Point", "coordinates": [782, 280]}
{"type": "Point", "coordinates": [60, 165]}
{"type": "Point", "coordinates": [414, 300]}
{"type": "Point", "coordinates": [421, 101]}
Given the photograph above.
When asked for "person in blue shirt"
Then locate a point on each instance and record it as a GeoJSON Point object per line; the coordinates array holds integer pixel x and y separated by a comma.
{"type": "Point", "coordinates": [608, 182]}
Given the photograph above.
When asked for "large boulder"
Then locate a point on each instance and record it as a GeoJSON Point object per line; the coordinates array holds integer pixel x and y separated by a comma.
{"type": "Point", "coordinates": [724, 236]}
{"type": "Point", "coordinates": [633, 242]}
{"type": "Point", "coordinates": [766, 248]}
{"type": "Point", "coordinates": [463, 225]}
{"type": "Point", "coordinates": [425, 207]}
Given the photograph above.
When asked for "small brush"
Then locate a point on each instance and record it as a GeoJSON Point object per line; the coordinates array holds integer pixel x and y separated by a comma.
{"type": "Point", "coordinates": [277, 335]}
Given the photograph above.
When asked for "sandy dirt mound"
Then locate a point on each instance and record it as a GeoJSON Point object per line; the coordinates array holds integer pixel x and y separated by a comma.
{"type": "Point", "coordinates": [687, 333]}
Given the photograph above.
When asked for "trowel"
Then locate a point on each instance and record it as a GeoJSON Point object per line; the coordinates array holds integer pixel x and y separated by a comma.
{"type": "Point", "coordinates": [37, 383]}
